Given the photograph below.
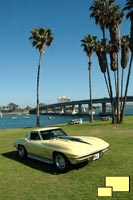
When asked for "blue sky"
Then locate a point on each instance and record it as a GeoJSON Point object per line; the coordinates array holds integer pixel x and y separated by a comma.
{"type": "Point", "coordinates": [64, 69]}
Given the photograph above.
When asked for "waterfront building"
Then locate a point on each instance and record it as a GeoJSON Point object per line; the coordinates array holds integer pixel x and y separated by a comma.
{"type": "Point", "coordinates": [63, 99]}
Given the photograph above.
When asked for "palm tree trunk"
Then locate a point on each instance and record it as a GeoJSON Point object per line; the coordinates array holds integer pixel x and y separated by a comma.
{"type": "Point", "coordinates": [131, 34]}
{"type": "Point", "coordinates": [111, 97]}
{"type": "Point", "coordinates": [38, 81]}
{"type": "Point", "coordinates": [117, 94]}
{"type": "Point", "coordinates": [115, 80]}
{"type": "Point", "coordinates": [110, 86]}
{"type": "Point", "coordinates": [122, 76]}
{"type": "Point", "coordinates": [126, 89]}
{"type": "Point", "coordinates": [90, 88]}
{"type": "Point", "coordinates": [107, 84]}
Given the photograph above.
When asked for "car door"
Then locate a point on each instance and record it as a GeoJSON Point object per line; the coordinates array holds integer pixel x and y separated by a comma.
{"type": "Point", "coordinates": [47, 141]}
{"type": "Point", "coordinates": [34, 146]}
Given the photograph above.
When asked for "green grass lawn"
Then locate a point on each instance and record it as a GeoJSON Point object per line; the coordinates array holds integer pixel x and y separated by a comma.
{"type": "Point", "coordinates": [33, 180]}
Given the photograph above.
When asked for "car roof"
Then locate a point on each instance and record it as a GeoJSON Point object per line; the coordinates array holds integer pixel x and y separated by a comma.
{"type": "Point", "coordinates": [45, 129]}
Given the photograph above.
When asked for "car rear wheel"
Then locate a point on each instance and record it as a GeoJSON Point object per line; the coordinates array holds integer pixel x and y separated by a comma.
{"type": "Point", "coordinates": [22, 151]}
{"type": "Point", "coordinates": [61, 162]}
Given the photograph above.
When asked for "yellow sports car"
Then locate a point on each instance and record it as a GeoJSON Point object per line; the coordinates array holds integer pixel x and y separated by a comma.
{"type": "Point", "coordinates": [53, 145]}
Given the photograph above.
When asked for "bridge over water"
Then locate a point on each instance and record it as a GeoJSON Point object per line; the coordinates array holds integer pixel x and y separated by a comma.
{"type": "Point", "coordinates": [74, 107]}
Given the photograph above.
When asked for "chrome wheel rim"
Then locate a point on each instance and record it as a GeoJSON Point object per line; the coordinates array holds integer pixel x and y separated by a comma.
{"type": "Point", "coordinates": [60, 162]}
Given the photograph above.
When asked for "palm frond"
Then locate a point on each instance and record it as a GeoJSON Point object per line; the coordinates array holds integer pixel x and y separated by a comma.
{"type": "Point", "coordinates": [41, 37]}
{"type": "Point", "coordinates": [88, 42]}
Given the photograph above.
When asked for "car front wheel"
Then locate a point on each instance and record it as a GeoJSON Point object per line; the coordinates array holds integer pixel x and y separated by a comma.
{"type": "Point", "coordinates": [22, 151]}
{"type": "Point", "coordinates": [61, 162]}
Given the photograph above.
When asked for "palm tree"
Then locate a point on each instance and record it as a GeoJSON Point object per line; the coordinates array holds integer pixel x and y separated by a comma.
{"type": "Point", "coordinates": [124, 59]}
{"type": "Point", "coordinates": [128, 7]}
{"type": "Point", "coordinates": [100, 12]}
{"type": "Point", "coordinates": [40, 37]}
{"type": "Point", "coordinates": [89, 47]}
{"type": "Point", "coordinates": [107, 15]}
{"type": "Point", "coordinates": [114, 28]}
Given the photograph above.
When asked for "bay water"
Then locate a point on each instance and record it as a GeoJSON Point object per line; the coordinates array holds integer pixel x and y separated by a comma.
{"type": "Point", "coordinates": [8, 121]}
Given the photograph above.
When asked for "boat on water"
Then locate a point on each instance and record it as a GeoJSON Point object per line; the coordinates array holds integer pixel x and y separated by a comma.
{"type": "Point", "coordinates": [50, 117]}
{"type": "Point", "coordinates": [26, 116]}
{"type": "Point", "coordinates": [14, 117]}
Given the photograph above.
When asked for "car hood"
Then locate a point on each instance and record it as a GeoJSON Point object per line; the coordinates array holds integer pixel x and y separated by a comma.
{"type": "Point", "coordinates": [78, 145]}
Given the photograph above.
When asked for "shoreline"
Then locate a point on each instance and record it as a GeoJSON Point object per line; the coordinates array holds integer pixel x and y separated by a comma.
{"type": "Point", "coordinates": [15, 113]}
{"type": "Point", "coordinates": [127, 121]}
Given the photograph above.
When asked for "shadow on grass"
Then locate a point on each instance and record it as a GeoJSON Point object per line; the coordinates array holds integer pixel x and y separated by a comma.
{"type": "Point", "coordinates": [38, 165]}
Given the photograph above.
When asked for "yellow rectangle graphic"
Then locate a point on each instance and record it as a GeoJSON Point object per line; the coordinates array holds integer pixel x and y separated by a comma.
{"type": "Point", "coordinates": [118, 183]}
{"type": "Point", "coordinates": [104, 191]}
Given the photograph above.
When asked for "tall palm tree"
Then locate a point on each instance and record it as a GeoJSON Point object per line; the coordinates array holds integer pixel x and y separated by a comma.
{"type": "Point", "coordinates": [115, 19]}
{"type": "Point", "coordinates": [124, 59]}
{"type": "Point", "coordinates": [40, 37]}
{"type": "Point", "coordinates": [129, 8]}
{"type": "Point", "coordinates": [89, 47]}
{"type": "Point", "coordinates": [108, 15]}
{"type": "Point", "coordinates": [100, 12]}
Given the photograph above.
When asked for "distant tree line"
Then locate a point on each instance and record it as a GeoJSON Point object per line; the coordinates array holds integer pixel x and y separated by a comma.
{"type": "Point", "coordinates": [12, 107]}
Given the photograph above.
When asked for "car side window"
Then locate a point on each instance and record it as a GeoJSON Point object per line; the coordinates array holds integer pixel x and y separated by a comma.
{"type": "Point", "coordinates": [34, 136]}
{"type": "Point", "coordinates": [47, 135]}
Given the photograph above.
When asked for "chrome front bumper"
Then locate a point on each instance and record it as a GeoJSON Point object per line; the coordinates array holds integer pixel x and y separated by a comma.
{"type": "Point", "coordinates": [89, 157]}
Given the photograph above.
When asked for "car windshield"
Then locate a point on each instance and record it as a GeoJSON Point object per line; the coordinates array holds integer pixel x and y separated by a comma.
{"type": "Point", "coordinates": [51, 134]}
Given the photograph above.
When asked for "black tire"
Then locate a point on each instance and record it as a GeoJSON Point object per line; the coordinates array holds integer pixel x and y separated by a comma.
{"type": "Point", "coordinates": [61, 162]}
{"type": "Point", "coordinates": [22, 151]}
